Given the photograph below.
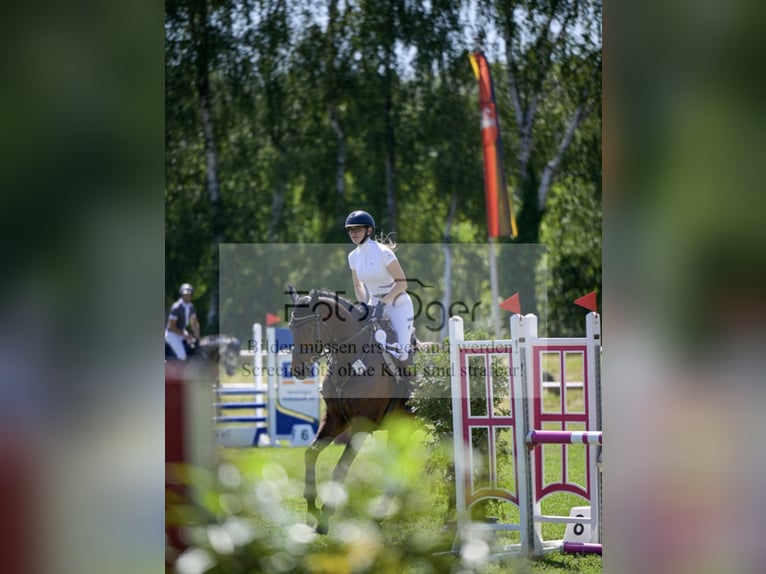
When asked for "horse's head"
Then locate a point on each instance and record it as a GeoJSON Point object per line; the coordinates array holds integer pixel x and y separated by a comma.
{"type": "Point", "coordinates": [305, 326]}
{"type": "Point", "coordinates": [230, 355]}
{"type": "Point", "coordinates": [221, 349]}
{"type": "Point", "coordinates": [318, 320]}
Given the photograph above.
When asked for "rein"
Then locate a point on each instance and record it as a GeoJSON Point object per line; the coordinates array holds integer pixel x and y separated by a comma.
{"type": "Point", "coordinates": [318, 323]}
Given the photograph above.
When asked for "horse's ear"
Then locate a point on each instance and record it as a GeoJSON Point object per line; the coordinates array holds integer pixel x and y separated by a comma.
{"type": "Point", "coordinates": [293, 293]}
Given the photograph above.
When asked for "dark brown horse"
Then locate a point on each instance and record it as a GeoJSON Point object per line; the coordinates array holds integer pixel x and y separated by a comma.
{"type": "Point", "coordinates": [363, 384]}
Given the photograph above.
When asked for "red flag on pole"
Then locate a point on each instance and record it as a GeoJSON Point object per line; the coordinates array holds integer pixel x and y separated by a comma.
{"type": "Point", "coordinates": [500, 219]}
{"type": "Point", "coordinates": [272, 319]}
{"type": "Point", "coordinates": [512, 304]}
{"type": "Point", "coordinates": [588, 301]}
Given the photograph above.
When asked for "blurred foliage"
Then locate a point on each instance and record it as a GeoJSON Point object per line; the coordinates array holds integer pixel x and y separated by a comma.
{"type": "Point", "coordinates": [242, 519]}
{"type": "Point", "coordinates": [249, 515]}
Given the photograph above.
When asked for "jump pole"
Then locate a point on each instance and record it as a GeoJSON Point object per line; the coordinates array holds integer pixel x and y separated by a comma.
{"type": "Point", "coordinates": [536, 437]}
{"type": "Point", "coordinates": [582, 548]}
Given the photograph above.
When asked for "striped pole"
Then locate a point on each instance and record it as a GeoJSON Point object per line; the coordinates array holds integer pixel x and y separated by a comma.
{"type": "Point", "coordinates": [536, 437]}
{"type": "Point", "coordinates": [582, 548]}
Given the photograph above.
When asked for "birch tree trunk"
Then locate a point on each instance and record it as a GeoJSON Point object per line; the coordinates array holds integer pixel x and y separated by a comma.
{"type": "Point", "coordinates": [340, 156]}
{"type": "Point", "coordinates": [332, 89]}
{"type": "Point", "coordinates": [200, 34]}
{"type": "Point", "coordinates": [390, 149]}
{"type": "Point", "coordinates": [529, 72]}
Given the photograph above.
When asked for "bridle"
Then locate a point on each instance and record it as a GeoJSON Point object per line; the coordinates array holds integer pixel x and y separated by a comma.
{"type": "Point", "coordinates": [300, 322]}
{"type": "Point", "coordinates": [334, 343]}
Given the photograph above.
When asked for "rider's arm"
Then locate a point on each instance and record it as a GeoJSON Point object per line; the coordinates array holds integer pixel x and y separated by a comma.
{"type": "Point", "coordinates": [359, 289]}
{"type": "Point", "coordinates": [173, 325]}
{"type": "Point", "coordinates": [400, 282]}
{"type": "Point", "coordinates": [194, 324]}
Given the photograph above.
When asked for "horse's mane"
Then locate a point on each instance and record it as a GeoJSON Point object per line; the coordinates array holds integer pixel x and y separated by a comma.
{"type": "Point", "coordinates": [357, 312]}
{"type": "Point", "coordinates": [219, 339]}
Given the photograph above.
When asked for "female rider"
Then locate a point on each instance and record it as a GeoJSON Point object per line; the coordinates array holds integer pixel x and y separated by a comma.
{"type": "Point", "coordinates": [378, 278]}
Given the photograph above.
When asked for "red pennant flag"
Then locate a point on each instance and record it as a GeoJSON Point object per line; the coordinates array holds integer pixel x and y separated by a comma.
{"type": "Point", "coordinates": [272, 319]}
{"type": "Point", "coordinates": [588, 301]}
{"type": "Point", "coordinates": [500, 219]}
{"type": "Point", "coordinates": [512, 304]}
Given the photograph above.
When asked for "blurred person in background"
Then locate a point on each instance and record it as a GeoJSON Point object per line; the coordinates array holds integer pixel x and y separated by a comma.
{"type": "Point", "coordinates": [181, 318]}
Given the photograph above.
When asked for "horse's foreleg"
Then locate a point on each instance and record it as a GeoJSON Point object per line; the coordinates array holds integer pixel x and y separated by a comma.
{"type": "Point", "coordinates": [330, 427]}
{"type": "Point", "coordinates": [310, 489]}
{"type": "Point", "coordinates": [349, 454]}
{"type": "Point", "coordinates": [340, 472]}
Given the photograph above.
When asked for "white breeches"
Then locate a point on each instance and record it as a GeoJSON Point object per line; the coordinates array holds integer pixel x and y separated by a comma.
{"type": "Point", "coordinates": [176, 343]}
{"type": "Point", "coordinates": [402, 315]}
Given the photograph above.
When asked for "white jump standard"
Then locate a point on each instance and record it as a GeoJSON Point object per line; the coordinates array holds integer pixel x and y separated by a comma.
{"type": "Point", "coordinates": [518, 429]}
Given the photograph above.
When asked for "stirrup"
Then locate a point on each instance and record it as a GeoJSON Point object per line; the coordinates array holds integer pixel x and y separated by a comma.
{"type": "Point", "coordinates": [394, 349]}
{"type": "Point", "coordinates": [396, 352]}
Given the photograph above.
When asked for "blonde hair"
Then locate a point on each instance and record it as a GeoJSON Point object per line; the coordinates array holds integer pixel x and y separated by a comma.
{"type": "Point", "coordinates": [387, 239]}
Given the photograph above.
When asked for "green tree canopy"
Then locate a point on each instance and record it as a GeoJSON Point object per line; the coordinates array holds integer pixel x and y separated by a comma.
{"type": "Point", "coordinates": [284, 115]}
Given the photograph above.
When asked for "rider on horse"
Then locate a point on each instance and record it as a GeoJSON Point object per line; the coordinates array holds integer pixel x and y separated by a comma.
{"type": "Point", "coordinates": [181, 316]}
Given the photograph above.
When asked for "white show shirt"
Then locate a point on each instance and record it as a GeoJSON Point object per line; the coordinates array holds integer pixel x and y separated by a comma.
{"type": "Point", "coordinates": [369, 260]}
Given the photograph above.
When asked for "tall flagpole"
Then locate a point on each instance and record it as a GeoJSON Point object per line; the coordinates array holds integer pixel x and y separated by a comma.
{"type": "Point", "coordinates": [494, 288]}
{"type": "Point", "coordinates": [500, 220]}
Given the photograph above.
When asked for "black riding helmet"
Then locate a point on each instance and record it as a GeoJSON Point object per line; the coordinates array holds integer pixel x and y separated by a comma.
{"type": "Point", "coordinates": [361, 218]}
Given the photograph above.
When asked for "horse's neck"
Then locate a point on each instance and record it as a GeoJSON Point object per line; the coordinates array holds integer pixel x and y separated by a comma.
{"type": "Point", "coordinates": [342, 324]}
